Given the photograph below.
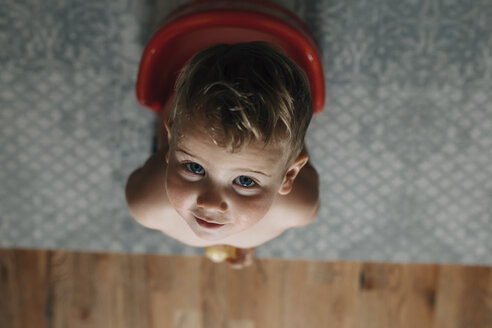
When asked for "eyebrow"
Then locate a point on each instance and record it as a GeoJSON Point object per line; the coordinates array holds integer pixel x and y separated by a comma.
{"type": "Point", "coordinates": [250, 170]}
{"type": "Point", "coordinates": [240, 169]}
{"type": "Point", "coordinates": [184, 151]}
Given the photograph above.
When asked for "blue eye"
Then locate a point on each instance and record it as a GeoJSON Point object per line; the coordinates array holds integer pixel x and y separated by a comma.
{"type": "Point", "coordinates": [245, 181]}
{"type": "Point", "coordinates": [195, 168]}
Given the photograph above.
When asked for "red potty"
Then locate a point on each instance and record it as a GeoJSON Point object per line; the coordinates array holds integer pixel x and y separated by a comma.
{"type": "Point", "coordinates": [204, 23]}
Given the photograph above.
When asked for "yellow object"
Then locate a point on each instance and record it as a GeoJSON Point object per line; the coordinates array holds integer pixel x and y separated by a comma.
{"type": "Point", "coordinates": [220, 253]}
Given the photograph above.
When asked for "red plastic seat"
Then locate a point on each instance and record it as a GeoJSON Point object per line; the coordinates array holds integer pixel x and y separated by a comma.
{"type": "Point", "coordinates": [204, 23]}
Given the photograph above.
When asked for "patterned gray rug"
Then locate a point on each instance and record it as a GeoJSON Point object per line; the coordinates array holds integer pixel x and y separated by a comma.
{"type": "Point", "coordinates": [403, 146]}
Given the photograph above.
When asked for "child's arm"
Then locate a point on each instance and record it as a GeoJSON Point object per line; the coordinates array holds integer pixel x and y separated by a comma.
{"type": "Point", "coordinates": [145, 191]}
{"type": "Point", "coordinates": [309, 187]}
{"type": "Point", "coordinates": [144, 187]}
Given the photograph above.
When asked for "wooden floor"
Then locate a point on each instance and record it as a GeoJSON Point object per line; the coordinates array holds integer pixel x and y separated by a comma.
{"type": "Point", "coordinates": [71, 289]}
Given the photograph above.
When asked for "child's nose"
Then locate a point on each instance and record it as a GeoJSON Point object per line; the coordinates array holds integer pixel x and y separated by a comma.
{"type": "Point", "coordinates": [212, 200]}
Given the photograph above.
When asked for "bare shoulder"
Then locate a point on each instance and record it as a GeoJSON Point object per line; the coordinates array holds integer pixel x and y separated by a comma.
{"type": "Point", "coordinates": [145, 192]}
{"type": "Point", "coordinates": [301, 205]}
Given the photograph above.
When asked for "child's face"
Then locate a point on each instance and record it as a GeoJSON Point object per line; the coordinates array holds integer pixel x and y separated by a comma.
{"type": "Point", "coordinates": [234, 190]}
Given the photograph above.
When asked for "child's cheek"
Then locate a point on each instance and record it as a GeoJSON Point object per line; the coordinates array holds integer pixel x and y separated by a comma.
{"type": "Point", "coordinates": [252, 209]}
{"type": "Point", "coordinates": [180, 192]}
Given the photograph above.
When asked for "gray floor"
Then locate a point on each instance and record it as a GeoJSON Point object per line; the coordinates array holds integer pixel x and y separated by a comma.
{"type": "Point", "coordinates": [403, 146]}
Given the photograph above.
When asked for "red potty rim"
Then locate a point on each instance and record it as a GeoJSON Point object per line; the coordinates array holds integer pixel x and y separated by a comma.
{"type": "Point", "coordinates": [201, 24]}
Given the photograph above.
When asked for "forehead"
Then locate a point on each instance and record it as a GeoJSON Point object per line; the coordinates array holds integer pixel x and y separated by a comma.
{"type": "Point", "coordinates": [199, 143]}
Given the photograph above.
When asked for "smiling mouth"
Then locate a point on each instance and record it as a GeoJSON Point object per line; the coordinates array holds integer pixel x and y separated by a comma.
{"type": "Point", "coordinates": [208, 225]}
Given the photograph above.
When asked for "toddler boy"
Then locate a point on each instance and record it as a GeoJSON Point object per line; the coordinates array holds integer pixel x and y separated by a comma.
{"type": "Point", "coordinates": [230, 167]}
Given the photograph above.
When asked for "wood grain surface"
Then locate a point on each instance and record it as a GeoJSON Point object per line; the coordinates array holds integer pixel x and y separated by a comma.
{"type": "Point", "coordinates": [42, 288]}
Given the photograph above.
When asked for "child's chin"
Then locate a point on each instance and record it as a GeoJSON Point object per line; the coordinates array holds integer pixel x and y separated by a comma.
{"type": "Point", "coordinates": [209, 234]}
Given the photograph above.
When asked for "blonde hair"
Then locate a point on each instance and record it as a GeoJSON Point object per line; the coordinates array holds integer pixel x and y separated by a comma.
{"type": "Point", "coordinates": [244, 92]}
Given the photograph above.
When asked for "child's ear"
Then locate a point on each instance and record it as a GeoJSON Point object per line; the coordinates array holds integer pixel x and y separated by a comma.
{"type": "Point", "coordinates": [167, 126]}
{"type": "Point", "coordinates": [292, 172]}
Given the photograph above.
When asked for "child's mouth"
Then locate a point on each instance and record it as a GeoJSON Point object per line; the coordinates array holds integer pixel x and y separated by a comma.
{"type": "Point", "coordinates": [207, 225]}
